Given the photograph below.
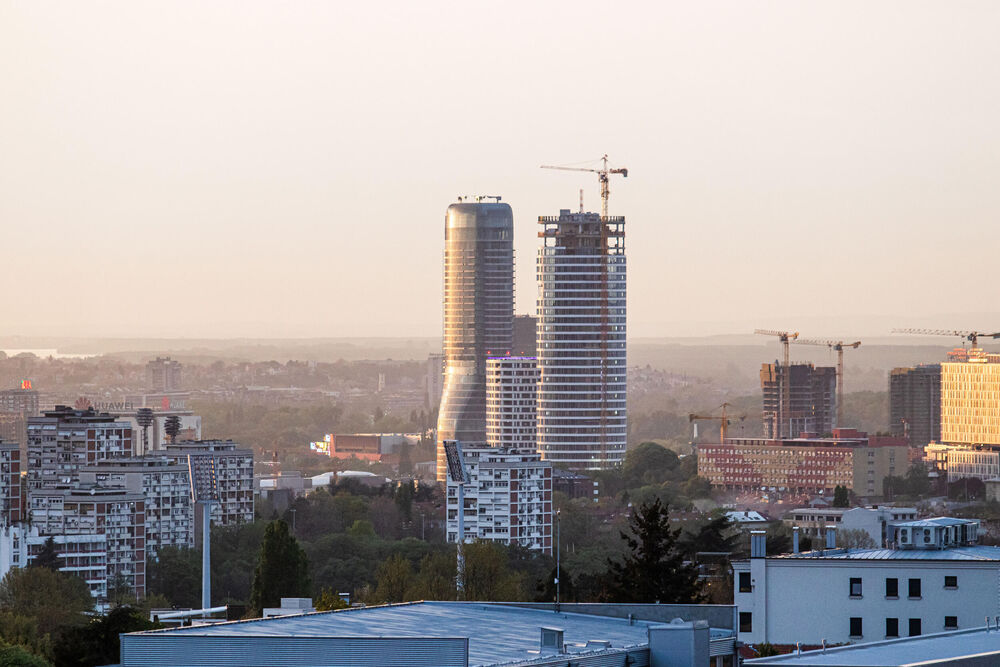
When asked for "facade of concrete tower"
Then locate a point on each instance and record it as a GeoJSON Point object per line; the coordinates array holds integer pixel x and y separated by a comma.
{"type": "Point", "coordinates": [581, 340]}
{"type": "Point", "coordinates": [478, 315]}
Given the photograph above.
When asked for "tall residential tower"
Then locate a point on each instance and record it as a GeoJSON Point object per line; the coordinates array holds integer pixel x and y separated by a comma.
{"type": "Point", "coordinates": [581, 340]}
{"type": "Point", "coordinates": [478, 315]}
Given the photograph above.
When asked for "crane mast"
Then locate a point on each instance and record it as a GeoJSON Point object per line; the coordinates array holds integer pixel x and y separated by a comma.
{"type": "Point", "coordinates": [602, 176]}
{"type": "Point", "coordinates": [837, 346]}
{"type": "Point", "coordinates": [784, 378]}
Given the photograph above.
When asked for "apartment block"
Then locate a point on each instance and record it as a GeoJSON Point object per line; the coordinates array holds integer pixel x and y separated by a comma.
{"type": "Point", "coordinates": [812, 397]}
{"type": "Point", "coordinates": [83, 554]}
{"type": "Point", "coordinates": [163, 374]}
{"type": "Point", "coordinates": [511, 418]}
{"type": "Point", "coordinates": [63, 440]}
{"type": "Point", "coordinates": [220, 469]}
{"type": "Point", "coordinates": [508, 498]}
{"type": "Point", "coordinates": [915, 403]}
{"type": "Point", "coordinates": [10, 483]}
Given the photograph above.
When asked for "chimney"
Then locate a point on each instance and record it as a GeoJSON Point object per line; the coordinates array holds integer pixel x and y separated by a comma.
{"type": "Point", "coordinates": [758, 544]}
{"type": "Point", "coordinates": [831, 537]}
{"type": "Point", "coordinates": [795, 539]}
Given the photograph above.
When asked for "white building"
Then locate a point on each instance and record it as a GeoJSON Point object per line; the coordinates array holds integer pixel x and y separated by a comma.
{"type": "Point", "coordinates": [875, 521]}
{"type": "Point", "coordinates": [83, 554]}
{"type": "Point", "coordinates": [511, 385]}
{"type": "Point", "coordinates": [937, 579]}
{"type": "Point", "coordinates": [508, 498]}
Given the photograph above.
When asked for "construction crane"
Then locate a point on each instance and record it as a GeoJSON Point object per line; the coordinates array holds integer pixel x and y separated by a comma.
{"type": "Point", "coordinates": [724, 420]}
{"type": "Point", "coordinates": [784, 378]}
{"type": "Point", "coordinates": [971, 336]}
{"type": "Point", "coordinates": [602, 176]}
{"type": "Point", "coordinates": [838, 346]}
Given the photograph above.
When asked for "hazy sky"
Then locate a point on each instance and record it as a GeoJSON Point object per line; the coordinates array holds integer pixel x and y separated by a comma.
{"type": "Point", "coordinates": [282, 169]}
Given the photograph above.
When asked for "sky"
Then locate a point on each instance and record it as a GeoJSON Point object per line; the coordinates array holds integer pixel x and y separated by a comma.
{"type": "Point", "coordinates": [265, 169]}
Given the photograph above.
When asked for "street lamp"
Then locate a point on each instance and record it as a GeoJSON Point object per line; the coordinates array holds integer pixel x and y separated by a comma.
{"type": "Point", "coordinates": [558, 555]}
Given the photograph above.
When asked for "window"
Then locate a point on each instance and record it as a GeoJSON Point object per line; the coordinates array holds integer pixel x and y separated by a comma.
{"type": "Point", "coordinates": [951, 622]}
{"type": "Point", "coordinates": [855, 626]}
{"type": "Point", "coordinates": [892, 588]}
{"type": "Point", "coordinates": [746, 621]}
{"type": "Point", "coordinates": [855, 587]}
{"type": "Point", "coordinates": [951, 582]}
{"type": "Point", "coordinates": [892, 627]}
{"type": "Point", "coordinates": [914, 589]}
{"type": "Point", "coordinates": [914, 627]}
{"type": "Point", "coordinates": [745, 582]}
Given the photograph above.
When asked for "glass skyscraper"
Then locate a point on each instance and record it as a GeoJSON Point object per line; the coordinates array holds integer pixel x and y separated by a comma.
{"type": "Point", "coordinates": [478, 315]}
{"type": "Point", "coordinates": [581, 340]}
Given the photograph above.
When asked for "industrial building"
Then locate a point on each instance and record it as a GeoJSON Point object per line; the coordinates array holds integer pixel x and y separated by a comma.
{"type": "Point", "coordinates": [511, 387]}
{"type": "Point", "coordinates": [811, 399]}
{"type": "Point", "coordinates": [935, 578]}
{"type": "Point", "coordinates": [508, 498]}
{"type": "Point", "coordinates": [459, 634]}
{"type": "Point", "coordinates": [804, 465]}
{"type": "Point", "coordinates": [63, 440]}
{"type": "Point", "coordinates": [226, 465]}
{"type": "Point", "coordinates": [915, 404]}
{"type": "Point", "coordinates": [478, 315]}
{"type": "Point", "coordinates": [581, 340]}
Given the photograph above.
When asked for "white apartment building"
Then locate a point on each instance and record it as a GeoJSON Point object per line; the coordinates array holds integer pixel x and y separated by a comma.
{"type": "Point", "coordinates": [220, 468]}
{"type": "Point", "coordinates": [936, 579]}
{"type": "Point", "coordinates": [83, 554]}
{"type": "Point", "coordinates": [508, 498]}
{"type": "Point", "coordinates": [511, 386]}
{"type": "Point", "coordinates": [165, 484]}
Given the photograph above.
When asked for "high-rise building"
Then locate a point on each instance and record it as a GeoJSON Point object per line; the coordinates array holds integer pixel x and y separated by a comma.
{"type": "Point", "coordinates": [581, 340]}
{"type": "Point", "coordinates": [63, 440]}
{"type": "Point", "coordinates": [163, 374]}
{"type": "Point", "coordinates": [225, 465]}
{"type": "Point", "coordinates": [434, 382]}
{"type": "Point", "coordinates": [508, 498]}
{"type": "Point", "coordinates": [812, 396]}
{"type": "Point", "coordinates": [511, 386]}
{"type": "Point", "coordinates": [478, 315]}
{"type": "Point", "coordinates": [915, 403]}
{"type": "Point", "coordinates": [970, 408]}
{"type": "Point", "coordinates": [10, 483]}
{"type": "Point", "coordinates": [16, 406]}
{"type": "Point", "coordinates": [525, 336]}
{"type": "Point", "coordinates": [24, 401]}
{"type": "Point", "coordinates": [166, 486]}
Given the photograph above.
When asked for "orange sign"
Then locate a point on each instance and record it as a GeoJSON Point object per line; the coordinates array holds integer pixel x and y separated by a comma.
{"type": "Point", "coordinates": [25, 384]}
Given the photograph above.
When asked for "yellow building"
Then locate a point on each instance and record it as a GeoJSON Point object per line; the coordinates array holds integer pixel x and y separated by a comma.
{"type": "Point", "coordinates": [970, 401]}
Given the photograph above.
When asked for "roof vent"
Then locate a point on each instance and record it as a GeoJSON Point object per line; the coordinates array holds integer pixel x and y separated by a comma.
{"type": "Point", "coordinates": [552, 639]}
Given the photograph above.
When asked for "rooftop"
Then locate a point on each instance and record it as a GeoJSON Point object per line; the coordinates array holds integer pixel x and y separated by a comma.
{"type": "Point", "coordinates": [922, 650]}
{"type": "Point", "coordinates": [971, 553]}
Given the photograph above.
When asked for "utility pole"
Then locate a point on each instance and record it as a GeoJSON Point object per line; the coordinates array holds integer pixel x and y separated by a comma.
{"type": "Point", "coordinates": [558, 557]}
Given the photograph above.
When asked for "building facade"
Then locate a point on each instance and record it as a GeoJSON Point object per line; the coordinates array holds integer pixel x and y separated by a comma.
{"type": "Point", "coordinates": [10, 483]}
{"type": "Point", "coordinates": [163, 374]}
{"type": "Point", "coordinates": [511, 386]}
{"type": "Point", "coordinates": [937, 579]}
{"type": "Point", "coordinates": [434, 383]}
{"type": "Point", "coordinates": [478, 315]}
{"type": "Point", "coordinates": [915, 403]}
{"type": "Point", "coordinates": [63, 440]}
{"type": "Point", "coordinates": [970, 401]}
{"type": "Point", "coordinates": [804, 465]}
{"type": "Point", "coordinates": [222, 467]}
{"type": "Point", "coordinates": [525, 336]}
{"type": "Point", "coordinates": [83, 554]}
{"type": "Point", "coordinates": [581, 340]}
{"type": "Point", "coordinates": [812, 396]}
{"type": "Point", "coordinates": [508, 498]}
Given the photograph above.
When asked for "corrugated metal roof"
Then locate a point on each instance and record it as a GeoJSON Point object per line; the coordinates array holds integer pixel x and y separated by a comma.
{"type": "Point", "coordinates": [497, 634]}
{"type": "Point", "coordinates": [977, 553]}
{"type": "Point", "coordinates": [934, 522]}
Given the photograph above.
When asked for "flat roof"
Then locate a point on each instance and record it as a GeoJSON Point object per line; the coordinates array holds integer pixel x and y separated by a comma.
{"type": "Point", "coordinates": [497, 633]}
{"type": "Point", "coordinates": [896, 652]}
{"type": "Point", "coordinates": [971, 553]}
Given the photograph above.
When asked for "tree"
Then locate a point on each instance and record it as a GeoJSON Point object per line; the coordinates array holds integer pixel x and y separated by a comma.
{"type": "Point", "coordinates": [653, 568]}
{"type": "Point", "coordinates": [547, 587]}
{"type": "Point", "coordinates": [435, 580]}
{"type": "Point", "coordinates": [855, 538]}
{"type": "Point", "coordinates": [48, 556]}
{"type": "Point", "coordinates": [841, 497]}
{"type": "Point", "coordinates": [55, 600]}
{"type": "Point", "coordinates": [393, 579]}
{"type": "Point", "coordinates": [405, 462]}
{"type": "Point", "coordinates": [487, 573]}
{"type": "Point", "coordinates": [282, 569]}
{"type": "Point", "coordinates": [172, 425]}
{"type": "Point", "coordinates": [649, 463]}
{"type": "Point", "coordinates": [120, 591]}
{"type": "Point", "coordinates": [329, 601]}
{"type": "Point", "coordinates": [98, 642]}
{"type": "Point", "coordinates": [18, 656]}
{"type": "Point", "coordinates": [176, 574]}
{"type": "Point", "coordinates": [716, 535]}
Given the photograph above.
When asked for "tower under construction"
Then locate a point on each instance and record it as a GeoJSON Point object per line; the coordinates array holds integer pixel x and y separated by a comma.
{"type": "Point", "coordinates": [581, 340]}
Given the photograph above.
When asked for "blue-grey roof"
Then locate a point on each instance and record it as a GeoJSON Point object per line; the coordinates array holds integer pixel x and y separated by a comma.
{"type": "Point", "coordinates": [896, 652]}
{"type": "Point", "coordinates": [971, 553]}
{"type": "Point", "coordinates": [934, 523]}
{"type": "Point", "coordinates": [498, 634]}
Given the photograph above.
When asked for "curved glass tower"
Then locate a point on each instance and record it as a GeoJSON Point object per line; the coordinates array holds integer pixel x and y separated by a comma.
{"type": "Point", "coordinates": [581, 340]}
{"type": "Point", "coordinates": [478, 315]}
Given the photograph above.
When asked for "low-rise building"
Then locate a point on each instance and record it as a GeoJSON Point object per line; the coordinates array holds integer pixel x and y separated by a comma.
{"type": "Point", "coordinates": [364, 446]}
{"type": "Point", "coordinates": [508, 498]}
{"type": "Point", "coordinates": [936, 579]}
{"type": "Point", "coordinates": [575, 484]}
{"type": "Point", "coordinates": [876, 522]}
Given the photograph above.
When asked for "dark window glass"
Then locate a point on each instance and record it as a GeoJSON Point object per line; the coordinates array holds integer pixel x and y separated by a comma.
{"type": "Point", "coordinates": [914, 627]}
{"type": "Point", "coordinates": [746, 621]}
{"type": "Point", "coordinates": [914, 589]}
{"type": "Point", "coordinates": [950, 622]}
{"type": "Point", "coordinates": [745, 582]}
{"type": "Point", "coordinates": [892, 627]}
{"type": "Point", "coordinates": [855, 626]}
{"type": "Point", "coordinates": [951, 582]}
{"type": "Point", "coordinates": [892, 588]}
{"type": "Point", "coordinates": [855, 587]}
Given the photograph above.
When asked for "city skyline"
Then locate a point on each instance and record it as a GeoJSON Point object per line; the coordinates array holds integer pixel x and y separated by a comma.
{"type": "Point", "coordinates": [857, 135]}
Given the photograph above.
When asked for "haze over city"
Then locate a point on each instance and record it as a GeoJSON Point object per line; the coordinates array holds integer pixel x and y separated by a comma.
{"type": "Point", "coordinates": [262, 170]}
